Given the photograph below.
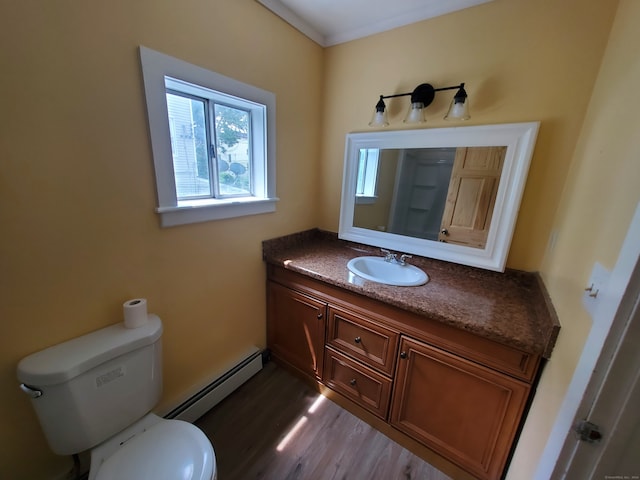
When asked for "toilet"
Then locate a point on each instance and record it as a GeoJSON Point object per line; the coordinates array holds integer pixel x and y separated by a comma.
{"type": "Point", "coordinates": [96, 393]}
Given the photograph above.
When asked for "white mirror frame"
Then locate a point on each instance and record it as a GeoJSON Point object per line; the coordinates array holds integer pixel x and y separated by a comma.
{"type": "Point", "coordinates": [519, 138]}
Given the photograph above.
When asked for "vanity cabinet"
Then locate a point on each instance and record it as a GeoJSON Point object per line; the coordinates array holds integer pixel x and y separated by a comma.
{"type": "Point", "coordinates": [461, 395]}
{"type": "Point", "coordinates": [295, 329]}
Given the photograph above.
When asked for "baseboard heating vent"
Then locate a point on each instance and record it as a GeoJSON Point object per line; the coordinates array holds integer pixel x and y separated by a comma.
{"type": "Point", "coordinates": [203, 401]}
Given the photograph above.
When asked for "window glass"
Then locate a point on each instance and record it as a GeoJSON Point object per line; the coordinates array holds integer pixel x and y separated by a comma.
{"type": "Point", "coordinates": [367, 172]}
{"type": "Point", "coordinates": [233, 152]}
{"type": "Point", "coordinates": [188, 130]}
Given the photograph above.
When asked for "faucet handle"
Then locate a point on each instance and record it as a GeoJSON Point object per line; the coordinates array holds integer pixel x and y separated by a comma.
{"type": "Point", "coordinates": [403, 257]}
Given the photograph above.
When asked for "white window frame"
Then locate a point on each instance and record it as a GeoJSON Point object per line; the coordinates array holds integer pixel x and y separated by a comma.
{"type": "Point", "coordinates": [156, 68]}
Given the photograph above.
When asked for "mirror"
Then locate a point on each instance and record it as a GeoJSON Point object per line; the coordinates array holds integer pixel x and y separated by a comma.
{"type": "Point", "coordinates": [448, 193]}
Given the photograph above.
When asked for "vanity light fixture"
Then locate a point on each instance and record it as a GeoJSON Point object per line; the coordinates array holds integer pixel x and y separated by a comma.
{"type": "Point", "coordinates": [421, 98]}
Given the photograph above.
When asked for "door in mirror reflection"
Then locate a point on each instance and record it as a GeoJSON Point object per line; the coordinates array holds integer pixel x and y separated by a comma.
{"type": "Point", "coordinates": [440, 194]}
{"type": "Point", "coordinates": [472, 195]}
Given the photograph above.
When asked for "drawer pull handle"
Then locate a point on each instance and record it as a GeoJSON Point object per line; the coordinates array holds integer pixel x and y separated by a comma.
{"type": "Point", "coordinates": [403, 355]}
{"type": "Point", "coordinates": [352, 382]}
{"type": "Point", "coordinates": [357, 340]}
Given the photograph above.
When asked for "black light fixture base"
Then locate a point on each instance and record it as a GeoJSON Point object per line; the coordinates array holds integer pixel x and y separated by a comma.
{"type": "Point", "coordinates": [424, 94]}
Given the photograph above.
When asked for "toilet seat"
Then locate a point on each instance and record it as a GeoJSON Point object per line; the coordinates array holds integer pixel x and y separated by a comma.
{"type": "Point", "coordinates": [168, 450]}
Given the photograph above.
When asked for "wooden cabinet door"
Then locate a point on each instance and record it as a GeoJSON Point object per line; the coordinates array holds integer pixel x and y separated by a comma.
{"type": "Point", "coordinates": [464, 411]}
{"type": "Point", "coordinates": [472, 195]}
{"type": "Point", "coordinates": [295, 328]}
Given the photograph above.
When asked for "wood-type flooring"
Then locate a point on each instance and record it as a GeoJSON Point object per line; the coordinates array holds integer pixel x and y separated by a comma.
{"type": "Point", "coordinates": [275, 427]}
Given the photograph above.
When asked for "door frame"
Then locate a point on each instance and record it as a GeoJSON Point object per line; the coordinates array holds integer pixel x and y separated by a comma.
{"type": "Point", "coordinates": [608, 331]}
{"type": "Point", "coordinates": [611, 399]}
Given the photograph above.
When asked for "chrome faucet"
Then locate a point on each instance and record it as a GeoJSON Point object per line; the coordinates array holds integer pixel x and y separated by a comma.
{"type": "Point", "coordinates": [388, 256]}
{"type": "Point", "coordinates": [392, 257]}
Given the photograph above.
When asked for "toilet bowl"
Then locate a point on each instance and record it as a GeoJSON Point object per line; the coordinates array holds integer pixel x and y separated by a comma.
{"type": "Point", "coordinates": [154, 448]}
{"type": "Point", "coordinates": [96, 393]}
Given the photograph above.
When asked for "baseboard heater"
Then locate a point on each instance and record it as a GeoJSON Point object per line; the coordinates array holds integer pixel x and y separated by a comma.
{"type": "Point", "coordinates": [208, 397]}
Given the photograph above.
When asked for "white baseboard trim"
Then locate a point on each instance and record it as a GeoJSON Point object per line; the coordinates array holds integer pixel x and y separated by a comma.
{"type": "Point", "coordinates": [216, 391]}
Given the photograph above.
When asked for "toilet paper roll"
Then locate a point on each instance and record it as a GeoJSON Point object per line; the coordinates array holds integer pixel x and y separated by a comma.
{"type": "Point", "coordinates": [135, 312]}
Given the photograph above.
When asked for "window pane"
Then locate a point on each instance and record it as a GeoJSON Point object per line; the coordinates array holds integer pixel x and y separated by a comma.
{"type": "Point", "coordinates": [367, 172]}
{"type": "Point", "coordinates": [233, 151]}
{"type": "Point", "coordinates": [188, 129]}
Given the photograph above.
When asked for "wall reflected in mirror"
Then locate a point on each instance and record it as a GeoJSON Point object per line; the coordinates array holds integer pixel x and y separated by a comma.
{"type": "Point", "coordinates": [444, 194]}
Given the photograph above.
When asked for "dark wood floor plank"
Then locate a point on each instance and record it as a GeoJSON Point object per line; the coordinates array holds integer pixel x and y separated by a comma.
{"type": "Point", "coordinates": [247, 431]}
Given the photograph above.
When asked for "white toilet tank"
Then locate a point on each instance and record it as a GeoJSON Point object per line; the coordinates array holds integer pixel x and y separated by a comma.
{"type": "Point", "coordinates": [95, 385]}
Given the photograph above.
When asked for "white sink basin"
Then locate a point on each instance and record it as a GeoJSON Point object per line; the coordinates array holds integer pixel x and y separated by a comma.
{"type": "Point", "coordinates": [378, 270]}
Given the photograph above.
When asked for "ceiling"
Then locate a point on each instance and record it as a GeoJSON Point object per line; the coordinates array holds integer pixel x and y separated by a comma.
{"type": "Point", "coordinates": [330, 22]}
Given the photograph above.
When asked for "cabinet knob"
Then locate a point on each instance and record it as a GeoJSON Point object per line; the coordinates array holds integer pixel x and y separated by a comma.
{"type": "Point", "coordinates": [357, 339]}
{"type": "Point", "coordinates": [320, 316]}
{"type": "Point", "coordinates": [444, 231]}
{"type": "Point", "coordinates": [352, 382]}
{"type": "Point", "coordinates": [403, 354]}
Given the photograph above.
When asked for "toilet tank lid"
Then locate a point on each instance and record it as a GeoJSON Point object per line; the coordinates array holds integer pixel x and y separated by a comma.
{"type": "Point", "coordinates": [62, 362]}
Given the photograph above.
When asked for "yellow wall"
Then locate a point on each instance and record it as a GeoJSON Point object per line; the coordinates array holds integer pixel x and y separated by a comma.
{"type": "Point", "coordinates": [597, 205]}
{"type": "Point", "coordinates": [77, 195]}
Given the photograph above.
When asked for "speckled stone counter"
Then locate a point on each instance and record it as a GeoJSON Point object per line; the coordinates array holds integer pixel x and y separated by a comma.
{"type": "Point", "coordinates": [511, 308]}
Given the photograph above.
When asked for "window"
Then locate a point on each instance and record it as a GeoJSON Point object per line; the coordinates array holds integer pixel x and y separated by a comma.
{"type": "Point", "coordinates": [367, 175]}
{"type": "Point", "coordinates": [213, 142]}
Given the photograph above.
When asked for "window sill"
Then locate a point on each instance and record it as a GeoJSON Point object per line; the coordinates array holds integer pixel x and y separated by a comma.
{"type": "Point", "coordinates": [196, 211]}
{"type": "Point", "coordinates": [365, 199]}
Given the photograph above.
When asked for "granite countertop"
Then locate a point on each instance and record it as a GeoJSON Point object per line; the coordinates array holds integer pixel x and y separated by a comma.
{"type": "Point", "coordinates": [512, 308]}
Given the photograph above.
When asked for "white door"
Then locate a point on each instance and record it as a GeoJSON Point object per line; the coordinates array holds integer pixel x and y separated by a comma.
{"type": "Point", "coordinates": [420, 192]}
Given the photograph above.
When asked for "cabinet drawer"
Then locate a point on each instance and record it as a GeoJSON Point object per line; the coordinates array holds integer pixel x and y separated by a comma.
{"type": "Point", "coordinates": [364, 386]}
{"type": "Point", "coordinates": [362, 339]}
